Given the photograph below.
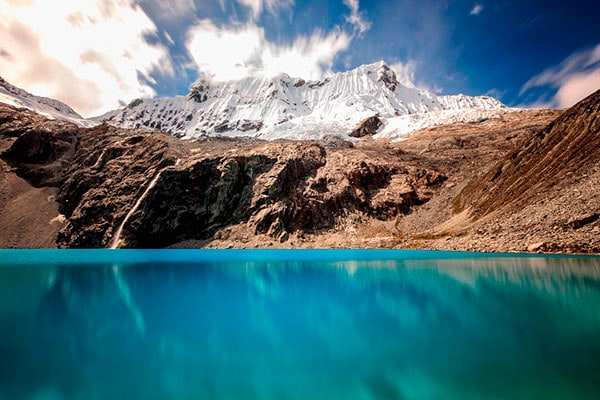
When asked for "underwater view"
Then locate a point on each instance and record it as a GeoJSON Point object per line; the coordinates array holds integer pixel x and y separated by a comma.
{"type": "Point", "coordinates": [297, 324]}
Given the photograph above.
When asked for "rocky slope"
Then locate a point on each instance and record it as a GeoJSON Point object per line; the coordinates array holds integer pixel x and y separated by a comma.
{"type": "Point", "coordinates": [566, 147]}
{"type": "Point", "coordinates": [292, 108]}
{"type": "Point", "coordinates": [29, 214]}
{"type": "Point", "coordinates": [545, 189]}
{"type": "Point", "coordinates": [271, 188]}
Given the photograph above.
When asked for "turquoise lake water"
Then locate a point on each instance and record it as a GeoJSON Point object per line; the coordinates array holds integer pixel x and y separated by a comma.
{"type": "Point", "coordinates": [325, 324]}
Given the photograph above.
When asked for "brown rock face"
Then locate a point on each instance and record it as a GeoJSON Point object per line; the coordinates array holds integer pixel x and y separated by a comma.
{"type": "Point", "coordinates": [42, 148]}
{"type": "Point", "coordinates": [107, 174]}
{"type": "Point", "coordinates": [37, 149]}
{"type": "Point", "coordinates": [164, 191]}
{"type": "Point", "coordinates": [274, 188]}
{"type": "Point", "coordinates": [367, 127]}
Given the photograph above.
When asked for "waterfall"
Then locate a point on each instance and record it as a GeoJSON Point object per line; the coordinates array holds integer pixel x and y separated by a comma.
{"type": "Point", "coordinates": [99, 160]}
{"type": "Point", "coordinates": [116, 240]}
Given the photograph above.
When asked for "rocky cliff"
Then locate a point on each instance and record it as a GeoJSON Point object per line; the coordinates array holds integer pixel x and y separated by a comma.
{"type": "Point", "coordinates": [273, 188]}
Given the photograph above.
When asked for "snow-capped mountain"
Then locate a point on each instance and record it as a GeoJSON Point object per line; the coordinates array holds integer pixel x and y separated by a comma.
{"type": "Point", "coordinates": [285, 107]}
{"type": "Point", "coordinates": [50, 108]}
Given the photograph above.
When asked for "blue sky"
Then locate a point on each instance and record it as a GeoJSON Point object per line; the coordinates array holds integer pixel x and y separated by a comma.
{"type": "Point", "coordinates": [98, 54]}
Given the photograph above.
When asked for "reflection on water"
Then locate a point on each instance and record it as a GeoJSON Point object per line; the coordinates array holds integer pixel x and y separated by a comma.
{"type": "Point", "coordinates": [459, 328]}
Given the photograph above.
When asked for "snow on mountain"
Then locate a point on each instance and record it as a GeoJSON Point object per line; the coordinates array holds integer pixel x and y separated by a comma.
{"type": "Point", "coordinates": [50, 108]}
{"type": "Point", "coordinates": [292, 108]}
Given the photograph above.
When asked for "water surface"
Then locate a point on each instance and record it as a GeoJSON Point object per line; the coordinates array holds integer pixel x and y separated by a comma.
{"type": "Point", "coordinates": [200, 324]}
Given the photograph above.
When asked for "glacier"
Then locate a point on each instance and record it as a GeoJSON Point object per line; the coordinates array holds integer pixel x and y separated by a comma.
{"type": "Point", "coordinates": [282, 107]}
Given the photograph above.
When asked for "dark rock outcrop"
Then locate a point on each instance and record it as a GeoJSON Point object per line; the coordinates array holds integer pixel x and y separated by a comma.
{"type": "Point", "coordinates": [110, 169]}
{"type": "Point", "coordinates": [581, 221]}
{"type": "Point", "coordinates": [242, 126]}
{"type": "Point", "coordinates": [275, 188]}
{"type": "Point", "coordinates": [192, 202]}
{"type": "Point", "coordinates": [388, 77]}
{"type": "Point", "coordinates": [367, 127]}
{"type": "Point", "coordinates": [199, 92]}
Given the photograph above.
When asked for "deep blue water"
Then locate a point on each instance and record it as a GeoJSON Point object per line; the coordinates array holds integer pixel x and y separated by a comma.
{"type": "Point", "coordinates": [201, 324]}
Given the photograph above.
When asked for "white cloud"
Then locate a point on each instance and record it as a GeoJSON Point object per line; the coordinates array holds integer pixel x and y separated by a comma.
{"type": "Point", "coordinates": [574, 78]}
{"type": "Point", "coordinates": [496, 93]}
{"type": "Point", "coordinates": [237, 51]}
{"type": "Point", "coordinates": [89, 54]}
{"type": "Point", "coordinates": [405, 72]}
{"type": "Point", "coordinates": [272, 6]}
{"type": "Point", "coordinates": [225, 53]}
{"type": "Point", "coordinates": [311, 57]}
{"type": "Point", "coordinates": [477, 9]}
{"type": "Point", "coordinates": [577, 87]}
{"type": "Point", "coordinates": [406, 76]}
{"type": "Point", "coordinates": [356, 18]}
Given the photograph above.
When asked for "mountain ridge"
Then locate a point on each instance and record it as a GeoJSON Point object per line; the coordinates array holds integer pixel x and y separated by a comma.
{"type": "Point", "coordinates": [51, 108]}
{"type": "Point", "coordinates": [282, 107]}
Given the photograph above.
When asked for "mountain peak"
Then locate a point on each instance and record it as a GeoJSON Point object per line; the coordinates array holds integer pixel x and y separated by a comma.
{"type": "Point", "coordinates": [387, 75]}
{"type": "Point", "coordinates": [380, 71]}
{"type": "Point", "coordinates": [374, 66]}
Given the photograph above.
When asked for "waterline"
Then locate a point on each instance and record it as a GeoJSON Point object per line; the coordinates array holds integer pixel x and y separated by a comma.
{"type": "Point", "coordinates": [297, 324]}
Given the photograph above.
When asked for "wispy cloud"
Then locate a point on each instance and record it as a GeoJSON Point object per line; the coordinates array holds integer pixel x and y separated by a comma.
{"type": "Point", "coordinates": [272, 6]}
{"type": "Point", "coordinates": [92, 55]}
{"type": "Point", "coordinates": [356, 17]}
{"type": "Point", "coordinates": [405, 72]}
{"type": "Point", "coordinates": [573, 79]}
{"type": "Point", "coordinates": [172, 10]}
{"type": "Point", "coordinates": [236, 51]}
{"type": "Point", "coordinates": [477, 9]}
{"type": "Point", "coordinates": [496, 93]}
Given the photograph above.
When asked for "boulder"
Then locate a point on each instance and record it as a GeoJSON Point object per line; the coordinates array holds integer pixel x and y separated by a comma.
{"type": "Point", "coordinates": [578, 222]}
